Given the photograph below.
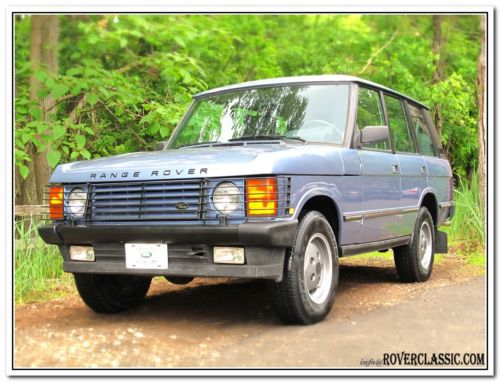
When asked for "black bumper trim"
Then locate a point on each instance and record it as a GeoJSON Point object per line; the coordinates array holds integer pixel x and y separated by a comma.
{"type": "Point", "coordinates": [272, 234]}
{"type": "Point", "coordinates": [268, 271]}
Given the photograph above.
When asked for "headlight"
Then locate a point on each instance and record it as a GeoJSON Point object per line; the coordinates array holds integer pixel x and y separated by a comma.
{"type": "Point", "coordinates": [77, 199]}
{"type": "Point", "coordinates": [226, 197]}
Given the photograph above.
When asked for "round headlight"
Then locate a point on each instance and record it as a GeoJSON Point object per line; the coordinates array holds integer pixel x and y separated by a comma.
{"type": "Point", "coordinates": [226, 197]}
{"type": "Point", "coordinates": [77, 199]}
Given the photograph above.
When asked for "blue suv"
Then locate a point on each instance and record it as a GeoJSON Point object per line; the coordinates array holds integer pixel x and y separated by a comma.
{"type": "Point", "coordinates": [273, 179]}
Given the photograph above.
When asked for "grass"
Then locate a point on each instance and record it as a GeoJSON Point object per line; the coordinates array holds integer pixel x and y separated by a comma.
{"type": "Point", "coordinates": [466, 233]}
{"type": "Point", "coordinates": [476, 258]}
{"type": "Point", "coordinates": [469, 220]}
{"type": "Point", "coordinates": [38, 266]}
{"type": "Point", "coordinates": [389, 256]}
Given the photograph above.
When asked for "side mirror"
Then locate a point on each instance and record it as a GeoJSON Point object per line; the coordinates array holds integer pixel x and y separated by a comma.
{"type": "Point", "coordinates": [160, 146]}
{"type": "Point", "coordinates": [374, 134]}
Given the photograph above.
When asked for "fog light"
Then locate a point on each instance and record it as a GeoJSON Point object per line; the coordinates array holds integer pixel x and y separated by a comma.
{"type": "Point", "coordinates": [81, 253]}
{"type": "Point", "coordinates": [229, 255]}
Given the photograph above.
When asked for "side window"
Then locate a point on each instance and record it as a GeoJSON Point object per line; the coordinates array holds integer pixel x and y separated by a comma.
{"type": "Point", "coordinates": [370, 114]}
{"type": "Point", "coordinates": [422, 132]}
{"type": "Point", "coordinates": [400, 134]}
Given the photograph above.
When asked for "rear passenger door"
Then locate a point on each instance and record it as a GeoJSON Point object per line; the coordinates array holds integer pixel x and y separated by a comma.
{"type": "Point", "coordinates": [438, 170]}
{"type": "Point", "coordinates": [380, 170]}
{"type": "Point", "coordinates": [413, 169]}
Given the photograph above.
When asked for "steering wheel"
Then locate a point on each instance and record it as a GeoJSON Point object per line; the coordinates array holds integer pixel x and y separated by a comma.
{"type": "Point", "coordinates": [324, 123]}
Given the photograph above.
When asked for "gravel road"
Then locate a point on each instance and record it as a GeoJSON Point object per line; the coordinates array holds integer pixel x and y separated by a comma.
{"type": "Point", "coordinates": [230, 323]}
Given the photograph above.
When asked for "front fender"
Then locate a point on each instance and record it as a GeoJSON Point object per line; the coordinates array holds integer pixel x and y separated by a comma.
{"type": "Point", "coordinates": [308, 195]}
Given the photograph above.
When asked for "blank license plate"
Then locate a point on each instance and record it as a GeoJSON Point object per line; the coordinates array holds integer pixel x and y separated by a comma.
{"type": "Point", "coordinates": [146, 256]}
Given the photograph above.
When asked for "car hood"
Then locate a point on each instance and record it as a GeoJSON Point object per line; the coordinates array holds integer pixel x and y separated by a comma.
{"type": "Point", "coordinates": [215, 161]}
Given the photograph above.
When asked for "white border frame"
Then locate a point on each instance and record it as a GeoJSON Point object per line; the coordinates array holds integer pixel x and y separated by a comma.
{"type": "Point", "coordinates": [253, 7]}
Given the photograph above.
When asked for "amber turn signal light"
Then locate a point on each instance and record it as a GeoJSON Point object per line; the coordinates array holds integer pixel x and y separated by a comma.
{"type": "Point", "coordinates": [56, 206]}
{"type": "Point", "coordinates": [262, 197]}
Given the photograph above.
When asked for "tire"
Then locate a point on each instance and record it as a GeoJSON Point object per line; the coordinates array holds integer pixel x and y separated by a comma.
{"type": "Point", "coordinates": [414, 261]}
{"type": "Point", "coordinates": [179, 280]}
{"type": "Point", "coordinates": [296, 300]}
{"type": "Point", "coordinates": [111, 293]}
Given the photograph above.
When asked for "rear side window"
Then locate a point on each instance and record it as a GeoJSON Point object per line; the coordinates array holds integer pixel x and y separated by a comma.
{"type": "Point", "coordinates": [370, 114]}
{"type": "Point", "coordinates": [400, 134]}
{"type": "Point", "coordinates": [422, 132]}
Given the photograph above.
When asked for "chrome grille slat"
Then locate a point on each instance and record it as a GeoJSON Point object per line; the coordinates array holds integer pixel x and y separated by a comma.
{"type": "Point", "coordinates": [138, 202]}
{"type": "Point", "coordinates": [106, 211]}
{"type": "Point", "coordinates": [146, 187]}
{"type": "Point", "coordinates": [150, 217]}
{"type": "Point", "coordinates": [151, 195]}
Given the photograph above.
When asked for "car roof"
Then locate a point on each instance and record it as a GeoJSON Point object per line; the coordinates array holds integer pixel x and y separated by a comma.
{"type": "Point", "coordinates": [325, 78]}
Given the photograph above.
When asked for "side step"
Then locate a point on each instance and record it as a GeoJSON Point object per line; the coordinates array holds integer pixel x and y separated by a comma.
{"type": "Point", "coordinates": [355, 249]}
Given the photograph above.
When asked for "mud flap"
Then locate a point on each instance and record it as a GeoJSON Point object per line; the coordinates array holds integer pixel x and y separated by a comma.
{"type": "Point", "coordinates": [441, 242]}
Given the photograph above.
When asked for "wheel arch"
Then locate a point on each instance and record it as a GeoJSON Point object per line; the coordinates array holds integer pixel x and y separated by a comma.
{"type": "Point", "coordinates": [430, 202]}
{"type": "Point", "coordinates": [326, 205]}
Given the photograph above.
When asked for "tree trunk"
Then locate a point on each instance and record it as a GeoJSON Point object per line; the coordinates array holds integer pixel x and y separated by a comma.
{"type": "Point", "coordinates": [481, 79]}
{"type": "Point", "coordinates": [43, 55]}
{"type": "Point", "coordinates": [437, 21]}
{"type": "Point", "coordinates": [28, 191]}
{"type": "Point", "coordinates": [50, 29]}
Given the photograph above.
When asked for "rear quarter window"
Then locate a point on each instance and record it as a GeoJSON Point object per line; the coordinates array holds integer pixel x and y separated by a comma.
{"type": "Point", "coordinates": [422, 131]}
{"type": "Point", "coordinates": [397, 123]}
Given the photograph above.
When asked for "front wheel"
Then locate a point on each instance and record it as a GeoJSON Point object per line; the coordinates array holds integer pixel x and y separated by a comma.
{"type": "Point", "coordinates": [179, 280]}
{"type": "Point", "coordinates": [414, 261]}
{"type": "Point", "coordinates": [111, 293]}
{"type": "Point", "coordinates": [310, 277]}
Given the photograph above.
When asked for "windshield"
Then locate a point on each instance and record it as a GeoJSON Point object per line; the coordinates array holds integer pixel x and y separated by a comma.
{"type": "Point", "coordinates": [315, 113]}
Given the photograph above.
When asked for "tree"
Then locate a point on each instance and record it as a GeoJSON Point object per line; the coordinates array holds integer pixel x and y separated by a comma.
{"type": "Point", "coordinates": [123, 82]}
{"type": "Point", "coordinates": [481, 72]}
{"type": "Point", "coordinates": [437, 43]}
{"type": "Point", "coordinates": [43, 56]}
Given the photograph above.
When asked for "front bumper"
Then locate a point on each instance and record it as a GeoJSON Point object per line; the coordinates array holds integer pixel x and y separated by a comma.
{"type": "Point", "coordinates": [272, 234]}
{"type": "Point", "coordinates": [190, 247]}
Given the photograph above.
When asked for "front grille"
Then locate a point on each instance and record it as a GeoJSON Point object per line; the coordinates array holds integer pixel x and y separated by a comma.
{"type": "Point", "coordinates": [165, 200]}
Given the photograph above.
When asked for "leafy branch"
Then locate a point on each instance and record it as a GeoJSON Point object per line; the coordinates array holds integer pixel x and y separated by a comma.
{"type": "Point", "coordinates": [377, 53]}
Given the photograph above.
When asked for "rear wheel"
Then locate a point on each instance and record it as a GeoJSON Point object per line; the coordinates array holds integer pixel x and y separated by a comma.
{"type": "Point", "coordinates": [414, 261]}
{"type": "Point", "coordinates": [311, 273]}
{"type": "Point", "coordinates": [111, 293]}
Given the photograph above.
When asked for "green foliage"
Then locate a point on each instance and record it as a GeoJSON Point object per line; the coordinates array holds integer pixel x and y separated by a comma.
{"type": "Point", "coordinates": [125, 81]}
{"type": "Point", "coordinates": [458, 98]}
{"type": "Point", "coordinates": [36, 264]}
{"type": "Point", "coordinates": [468, 224]}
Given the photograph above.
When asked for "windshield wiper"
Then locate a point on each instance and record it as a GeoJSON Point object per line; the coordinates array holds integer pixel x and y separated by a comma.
{"type": "Point", "coordinates": [265, 137]}
{"type": "Point", "coordinates": [198, 144]}
{"type": "Point", "coordinates": [247, 138]}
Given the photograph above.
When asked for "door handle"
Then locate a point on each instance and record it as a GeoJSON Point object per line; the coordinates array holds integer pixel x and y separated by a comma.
{"type": "Point", "coordinates": [423, 170]}
{"type": "Point", "coordinates": [395, 169]}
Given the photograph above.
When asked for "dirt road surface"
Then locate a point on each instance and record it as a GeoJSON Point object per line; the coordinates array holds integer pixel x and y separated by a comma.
{"type": "Point", "coordinates": [230, 323]}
